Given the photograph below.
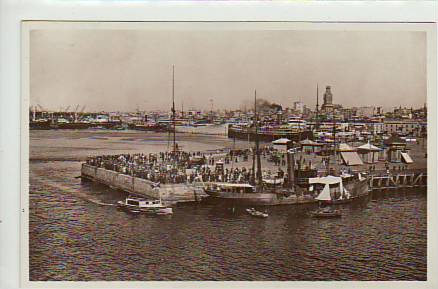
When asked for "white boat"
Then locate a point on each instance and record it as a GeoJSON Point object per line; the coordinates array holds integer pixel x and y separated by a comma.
{"type": "Point", "coordinates": [255, 213]}
{"type": "Point", "coordinates": [140, 205]}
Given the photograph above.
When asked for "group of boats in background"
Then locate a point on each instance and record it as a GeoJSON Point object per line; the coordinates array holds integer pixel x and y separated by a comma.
{"type": "Point", "coordinates": [327, 191]}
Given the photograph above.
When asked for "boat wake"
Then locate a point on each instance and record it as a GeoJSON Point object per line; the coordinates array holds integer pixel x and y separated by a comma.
{"type": "Point", "coordinates": [97, 202]}
{"type": "Point", "coordinates": [55, 186]}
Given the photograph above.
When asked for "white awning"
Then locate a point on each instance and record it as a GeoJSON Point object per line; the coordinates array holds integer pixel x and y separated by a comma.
{"type": "Point", "coordinates": [345, 147]}
{"type": "Point", "coordinates": [328, 180]}
{"type": "Point", "coordinates": [369, 147]}
{"type": "Point", "coordinates": [407, 158]}
{"type": "Point", "coordinates": [281, 141]}
{"type": "Point", "coordinates": [351, 158]}
{"type": "Point", "coordinates": [325, 194]}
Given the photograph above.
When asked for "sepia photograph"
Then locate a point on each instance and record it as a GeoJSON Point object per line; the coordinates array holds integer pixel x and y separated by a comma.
{"type": "Point", "coordinates": [226, 151]}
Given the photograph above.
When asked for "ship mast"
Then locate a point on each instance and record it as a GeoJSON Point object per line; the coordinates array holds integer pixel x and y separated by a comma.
{"type": "Point", "coordinates": [173, 109]}
{"type": "Point", "coordinates": [317, 106]}
{"type": "Point", "coordinates": [334, 133]}
{"type": "Point", "coordinates": [257, 144]}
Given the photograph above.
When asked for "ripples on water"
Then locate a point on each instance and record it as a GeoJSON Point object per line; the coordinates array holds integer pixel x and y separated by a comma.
{"type": "Point", "coordinates": [74, 237]}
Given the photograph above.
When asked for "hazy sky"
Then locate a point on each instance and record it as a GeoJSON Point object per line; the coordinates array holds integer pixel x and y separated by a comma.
{"type": "Point", "coordinates": [121, 70]}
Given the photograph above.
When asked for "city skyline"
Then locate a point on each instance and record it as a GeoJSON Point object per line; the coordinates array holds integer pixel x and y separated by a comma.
{"type": "Point", "coordinates": [122, 70]}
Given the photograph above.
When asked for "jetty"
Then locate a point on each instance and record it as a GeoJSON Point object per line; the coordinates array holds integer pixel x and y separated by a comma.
{"type": "Point", "coordinates": [169, 193]}
{"type": "Point", "coordinates": [398, 180]}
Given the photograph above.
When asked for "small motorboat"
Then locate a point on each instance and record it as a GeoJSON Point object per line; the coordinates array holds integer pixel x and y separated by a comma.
{"type": "Point", "coordinates": [138, 205]}
{"type": "Point", "coordinates": [255, 213]}
{"type": "Point", "coordinates": [326, 213]}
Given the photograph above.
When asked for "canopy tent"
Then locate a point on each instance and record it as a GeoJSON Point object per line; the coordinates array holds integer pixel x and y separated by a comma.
{"type": "Point", "coordinates": [310, 146]}
{"type": "Point", "coordinates": [349, 155]}
{"type": "Point", "coordinates": [406, 158]}
{"type": "Point", "coordinates": [369, 152]}
{"type": "Point", "coordinates": [343, 147]}
{"type": "Point", "coordinates": [351, 159]}
{"type": "Point", "coordinates": [325, 194]}
{"type": "Point", "coordinates": [281, 141]}
{"type": "Point", "coordinates": [308, 142]}
{"type": "Point", "coordinates": [369, 147]}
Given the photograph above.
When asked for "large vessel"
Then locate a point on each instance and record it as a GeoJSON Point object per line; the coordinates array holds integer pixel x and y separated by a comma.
{"type": "Point", "coordinates": [155, 127]}
{"type": "Point", "coordinates": [268, 133]}
{"type": "Point", "coordinates": [252, 195]}
{"type": "Point", "coordinates": [40, 124]}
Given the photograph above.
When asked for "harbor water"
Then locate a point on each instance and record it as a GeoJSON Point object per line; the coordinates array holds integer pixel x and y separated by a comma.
{"type": "Point", "coordinates": [76, 233]}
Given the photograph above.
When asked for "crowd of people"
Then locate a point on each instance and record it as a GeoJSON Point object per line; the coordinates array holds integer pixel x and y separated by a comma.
{"type": "Point", "coordinates": [186, 167]}
{"type": "Point", "coordinates": [177, 167]}
{"type": "Point", "coordinates": [215, 166]}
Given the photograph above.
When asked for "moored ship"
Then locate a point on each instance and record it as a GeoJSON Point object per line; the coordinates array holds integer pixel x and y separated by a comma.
{"type": "Point", "coordinates": [251, 195]}
{"type": "Point", "coordinates": [268, 133]}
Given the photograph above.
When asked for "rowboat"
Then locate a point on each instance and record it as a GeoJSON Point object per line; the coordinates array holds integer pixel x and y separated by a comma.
{"type": "Point", "coordinates": [255, 213]}
{"type": "Point", "coordinates": [326, 213]}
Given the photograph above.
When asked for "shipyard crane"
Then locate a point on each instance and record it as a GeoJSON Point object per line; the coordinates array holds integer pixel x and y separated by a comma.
{"type": "Point", "coordinates": [82, 109]}
{"type": "Point", "coordinates": [76, 113]}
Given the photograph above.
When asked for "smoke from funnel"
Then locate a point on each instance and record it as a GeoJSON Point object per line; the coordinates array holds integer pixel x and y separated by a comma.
{"type": "Point", "coordinates": [263, 105]}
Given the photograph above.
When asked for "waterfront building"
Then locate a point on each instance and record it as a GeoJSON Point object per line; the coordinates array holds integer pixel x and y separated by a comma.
{"type": "Point", "coordinates": [369, 153]}
{"type": "Point", "coordinates": [395, 146]}
{"type": "Point", "coordinates": [404, 127]}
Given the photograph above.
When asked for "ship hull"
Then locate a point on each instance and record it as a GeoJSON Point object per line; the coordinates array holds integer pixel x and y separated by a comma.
{"type": "Point", "coordinates": [249, 134]}
{"type": "Point", "coordinates": [260, 199]}
{"type": "Point", "coordinates": [39, 125]}
{"type": "Point", "coordinates": [154, 128]}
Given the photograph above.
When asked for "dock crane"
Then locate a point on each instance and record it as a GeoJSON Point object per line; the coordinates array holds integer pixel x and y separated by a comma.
{"type": "Point", "coordinates": [76, 113]}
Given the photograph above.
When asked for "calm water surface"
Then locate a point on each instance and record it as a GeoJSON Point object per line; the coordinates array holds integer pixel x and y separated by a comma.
{"type": "Point", "coordinates": [76, 233]}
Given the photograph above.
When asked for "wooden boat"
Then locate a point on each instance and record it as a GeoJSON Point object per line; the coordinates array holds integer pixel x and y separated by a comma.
{"type": "Point", "coordinates": [326, 213]}
{"type": "Point", "coordinates": [255, 213]}
{"type": "Point", "coordinates": [138, 205]}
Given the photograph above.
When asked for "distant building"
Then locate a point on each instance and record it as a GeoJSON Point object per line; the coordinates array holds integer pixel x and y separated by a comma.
{"type": "Point", "coordinates": [328, 99]}
{"type": "Point", "coordinates": [404, 127]}
{"type": "Point", "coordinates": [365, 111]}
{"type": "Point", "coordinates": [299, 106]}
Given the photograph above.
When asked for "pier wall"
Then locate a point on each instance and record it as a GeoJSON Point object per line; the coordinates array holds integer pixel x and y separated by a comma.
{"type": "Point", "coordinates": [170, 193]}
{"type": "Point", "coordinates": [398, 180]}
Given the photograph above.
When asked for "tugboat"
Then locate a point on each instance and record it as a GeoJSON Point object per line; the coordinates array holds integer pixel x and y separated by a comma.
{"type": "Point", "coordinates": [140, 205]}
{"type": "Point", "coordinates": [255, 213]}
